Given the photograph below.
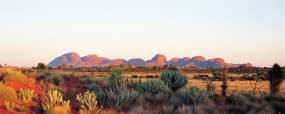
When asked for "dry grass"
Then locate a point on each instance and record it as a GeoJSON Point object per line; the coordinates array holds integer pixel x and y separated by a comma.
{"type": "Point", "coordinates": [239, 86]}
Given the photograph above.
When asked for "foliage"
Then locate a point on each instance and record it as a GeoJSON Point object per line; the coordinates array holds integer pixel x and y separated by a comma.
{"type": "Point", "coordinates": [93, 87]}
{"type": "Point", "coordinates": [87, 79]}
{"type": "Point", "coordinates": [244, 103]}
{"type": "Point", "coordinates": [55, 103]}
{"type": "Point", "coordinates": [173, 79]}
{"type": "Point", "coordinates": [88, 102]}
{"type": "Point", "coordinates": [192, 96]}
{"type": "Point", "coordinates": [41, 66]}
{"type": "Point", "coordinates": [7, 94]}
{"type": "Point", "coordinates": [275, 76]}
{"type": "Point", "coordinates": [102, 97]}
{"type": "Point", "coordinates": [120, 97]}
{"type": "Point", "coordinates": [55, 79]}
{"type": "Point", "coordinates": [15, 76]}
{"type": "Point", "coordinates": [277, 102]}
{"type": "Point", "coordinates": [153, 86]}
{"type": "Point", "coordinates": [10, 106]}
{"type": "Point", "coordinates": [224, 85]}
{"type": "Point", "coordinates": [115, 78]}
{"type": "Point", "coordinates": [26, 96]}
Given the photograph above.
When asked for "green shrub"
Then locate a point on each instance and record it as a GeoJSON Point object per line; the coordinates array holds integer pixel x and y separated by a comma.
{"type": "Point", "coordinates": [55, 103]}
{"type": "Point", "coordinates": [244, 103]}
{"type": "Point", "coordinates": [153, 86]}
{"type": "Point", "coordinates": [87, 79]}
{"type": "Point", "coordinates": [26, 96]}
{"type": "Point", "coordinates": [88, 102]}
{"type": "Point", "coordinates": [121, 97]}
{"type": "Point", "coordinates": [55, 79]}
{"type": "Point", "coordinates": [93, 87]}
{"type": "Point", "coordinates": [192, 96]}
{"type": "Point", "coordinates": [173, 79]}
{"type": "Point", "coordinates": [102, 97]}
{"type": "Point", "coordinates": [115, 78]}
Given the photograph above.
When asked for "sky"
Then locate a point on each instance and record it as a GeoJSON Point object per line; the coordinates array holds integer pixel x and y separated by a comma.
{"type": "Point", "coordinates": [239, 31]}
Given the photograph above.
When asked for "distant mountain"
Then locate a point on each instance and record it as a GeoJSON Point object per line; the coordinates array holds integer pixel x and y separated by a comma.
{"type": "Point", "coordinates": [137, 62]}
{"type": "Point", "coordinates": [74, 60]}
{"type": "Point", "coordinates": [157, 60]}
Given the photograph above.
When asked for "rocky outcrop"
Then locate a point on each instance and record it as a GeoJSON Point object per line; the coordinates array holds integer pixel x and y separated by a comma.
{"type": "Point", "coordinates": [69, 59]}
{"type": "Point", "coordinates": [136, 62]}
{"type": "Point", "coordinates": [74, 60]}
{"type": "Point", "coordinates": [157, 60]}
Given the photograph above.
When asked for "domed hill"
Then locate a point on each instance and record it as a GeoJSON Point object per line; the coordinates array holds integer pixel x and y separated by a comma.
{"type": "Point", "coordinates": [73, 59]}
{"type": "Point", "coordinates": [114, 62]}
{"type": "Point", "coordinates": [70, 59]}
{"type": "Point", "coordinates": [91, 60]}
{"type": "Point", "coordinates": [173, 61]}
{"type": "Point", "coordinates": [157, 60]}
{"type": "Point", "coordinates": [182, 62]}
{"type": "Point", "coordinates": [198, 58]}
{"type": "Point", "coordinates": [136, 62]}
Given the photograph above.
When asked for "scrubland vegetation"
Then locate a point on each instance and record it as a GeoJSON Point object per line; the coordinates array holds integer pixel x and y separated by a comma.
{"type": "Point", "coordinates": [28, 91]}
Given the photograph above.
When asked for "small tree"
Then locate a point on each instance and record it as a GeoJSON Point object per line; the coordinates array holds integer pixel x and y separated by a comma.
{"type": "Point", "coordinates": [224, 86]}
{"type": "Point", "coordinates": [173, 79]}
{"type": "Point", "coordinates": [115, 78]}
{"type": "Point", "coordinates": [41, 66]}
{"type": "Point", "coordinates": [275, 76]}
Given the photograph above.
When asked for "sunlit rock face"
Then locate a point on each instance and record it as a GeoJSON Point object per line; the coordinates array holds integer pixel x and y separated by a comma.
{"type": "Point", "coordinates": [157, 60]}
{"type": "Point", "coordinates": [114, 62]}
{"type": "Point", "coordinates": [91, 60]}
{"type": "Point", "coordinates": [74, 60]}
{"type": "Point", "coordinates": [198, 58]}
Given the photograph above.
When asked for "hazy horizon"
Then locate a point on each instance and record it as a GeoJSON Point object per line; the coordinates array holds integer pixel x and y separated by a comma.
{"type": "Point", "coordinates": [242, 31]}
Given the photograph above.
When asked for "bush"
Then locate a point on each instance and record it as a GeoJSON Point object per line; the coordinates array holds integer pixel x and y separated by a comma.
{"type": "Point", "coordinates": [173, 79]}
{"type": "Point", "coordinates": [153, 86]}
{"type": "Point", "coordinates": [26, 96]}
{"type": "Point", "coordinates": [102, 97]}
{"type": "Point", "coordinates": [87, 79]}
{"type": "Point", "coordinates": [244, 103]}
{"type": "Point", "coordinates": [14, 76]}
{"type": "Point", "coordinates": [115, 78]}
{"type": "Point", "coordinates": [88, 103]}
{"type": "Point", "coordinates": [120, 97]}
{"type": "Point", "coordinates": [55, 103]}
{"type": "Point", "coordinates": [192, 96]}
{"type": "Point", "coordinates": [93, 87]}
{"type": "Point", "coordinates": [277, 102]}
{"type": "Point", "coordinates": [7, 94]}
{"type": "Point", "coordinates": [42, 66]}
{"type": "Point", "coordinates": [275, 76]}
{"type": "Point", "coordinates": [55, 79]}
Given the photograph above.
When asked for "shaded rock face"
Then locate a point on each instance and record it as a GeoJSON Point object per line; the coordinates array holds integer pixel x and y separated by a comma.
{"type": "Point", "coordinates": [173, 61]}
{"type": "Point", "coordinates": [136, 62]}
{"type": "Point", "coordinates": [70, 59]}
{"type": "Point", "coordinates": [214, 63]}
{"type": "Point", "coordinates": [74, 60]}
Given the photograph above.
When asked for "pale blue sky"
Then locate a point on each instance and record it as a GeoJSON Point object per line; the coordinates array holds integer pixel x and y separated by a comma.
{"type": "Point", "coordinates": [240, 31]}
